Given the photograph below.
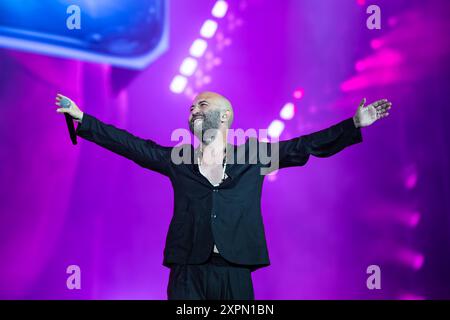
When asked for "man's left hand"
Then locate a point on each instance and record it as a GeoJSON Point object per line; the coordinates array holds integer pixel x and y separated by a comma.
{"type": "Point", "coordinates": [366, 115]}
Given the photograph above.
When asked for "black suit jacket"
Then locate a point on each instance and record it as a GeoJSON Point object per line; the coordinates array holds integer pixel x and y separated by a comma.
{"type": "Point", "coordinates": [228, 215]}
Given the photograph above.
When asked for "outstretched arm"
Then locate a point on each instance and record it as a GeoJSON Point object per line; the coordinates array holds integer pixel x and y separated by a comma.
{"type": "Point", "coordinates": [144, 152]}
{"type": "Point", "coordinates": [327, 142]}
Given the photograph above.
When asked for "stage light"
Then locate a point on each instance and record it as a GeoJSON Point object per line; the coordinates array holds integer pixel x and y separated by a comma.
{"type": "Point", "coordinates": [376, 43]}
{"type": "Point", "coordinates": [411, 181]}
{"type": "Point", "coordinates": [298, 93]}
{"type": "Point", "coordinates": [288, 111]}
{"type": "Point", "coordinates": [275, 128]}
{"type": "Point", "coordinates": [410, 296]}
{"type": "Point", "coordinates": [188, 66]}
{"type": "Point", "coordinates": [407, 218]}
{"type": "Point", "coordinates": [201, 48]}
{"type": "Point", "coordinates": [178, 84]}
{"type": "Point", "coordinates": [382, 58]}
{"type": "Point", "coordinates": [395, 214]}
{"type": "Point", "coordinates": [198, 48]}
{"type": "Point", "coordinates": [220, 9]}
{"type": "Point", "coordinates": [418, 261]}
{"type": "Point", "coordinates": [411, 258]}
{"type": "Point", "coordinates": [208, 29]}
{"type": "Point", "coordinates": [413, 219]}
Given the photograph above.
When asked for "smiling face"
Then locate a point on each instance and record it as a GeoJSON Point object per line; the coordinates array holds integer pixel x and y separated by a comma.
{"type": "Point", "coordinates": [209, 110]}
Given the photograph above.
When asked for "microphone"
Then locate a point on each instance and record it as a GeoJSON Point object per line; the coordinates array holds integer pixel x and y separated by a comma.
{"type": "Point", "coordinates": [65, 103]}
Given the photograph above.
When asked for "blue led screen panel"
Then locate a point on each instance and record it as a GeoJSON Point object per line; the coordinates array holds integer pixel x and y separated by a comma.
{"type": "Point", "coordinates": [126, 33]}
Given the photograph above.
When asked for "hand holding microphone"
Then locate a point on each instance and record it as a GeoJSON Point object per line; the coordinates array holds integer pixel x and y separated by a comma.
{"type": "Point", "coordinates": [71, 112]}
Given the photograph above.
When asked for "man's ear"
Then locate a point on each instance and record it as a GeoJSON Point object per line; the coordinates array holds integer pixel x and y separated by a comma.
{"type": "Point", "coordinates": [225, 116]}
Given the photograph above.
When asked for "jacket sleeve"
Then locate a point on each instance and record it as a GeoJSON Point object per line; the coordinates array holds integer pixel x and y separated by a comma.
{"type": "Point", "coordinates": [144, 152]}
{"type": "Point", "coordinates": [322, 144]}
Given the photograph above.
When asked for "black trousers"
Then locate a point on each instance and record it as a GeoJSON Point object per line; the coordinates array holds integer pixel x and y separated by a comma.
{"type": "Point", "coordinates": [216, 279]}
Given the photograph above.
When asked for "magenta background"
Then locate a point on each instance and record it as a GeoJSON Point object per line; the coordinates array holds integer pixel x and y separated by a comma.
{"type": "Point", "coordinates": [325, 222]}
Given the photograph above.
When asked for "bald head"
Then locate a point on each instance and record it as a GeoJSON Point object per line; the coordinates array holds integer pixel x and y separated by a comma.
{"type": "Point", "coordinates": [216, 100]}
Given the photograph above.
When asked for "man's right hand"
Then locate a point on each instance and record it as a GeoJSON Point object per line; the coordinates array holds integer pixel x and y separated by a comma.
{"type": "Point", "coordinates": [73, 110]}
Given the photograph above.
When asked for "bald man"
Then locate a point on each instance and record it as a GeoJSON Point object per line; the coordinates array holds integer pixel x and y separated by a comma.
{"type": "Point", "coordinates": [216, 236]}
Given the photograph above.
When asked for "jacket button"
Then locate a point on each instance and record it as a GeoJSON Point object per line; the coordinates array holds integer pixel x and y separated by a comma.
{"type": "Point", "coordinates": [213, 216]}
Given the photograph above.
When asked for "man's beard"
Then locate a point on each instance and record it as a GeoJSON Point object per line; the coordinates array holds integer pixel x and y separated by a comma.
{"type": "Point", "coordinates": [207, 127]}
